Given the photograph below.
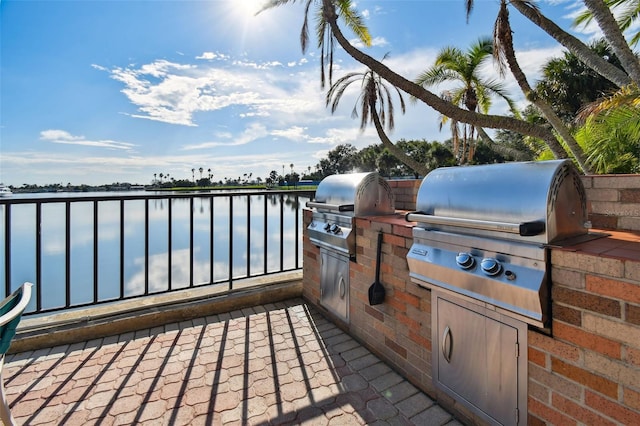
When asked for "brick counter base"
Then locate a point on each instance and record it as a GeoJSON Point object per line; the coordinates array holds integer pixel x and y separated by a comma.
{"type": "Point", "coordinates": [589, 371]}
{"type": "Point", "coordinates": [586, 372]}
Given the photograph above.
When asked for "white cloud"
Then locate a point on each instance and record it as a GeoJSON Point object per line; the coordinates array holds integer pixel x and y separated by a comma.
{"type": "Point", "coordinates": [375, 42]}
{"type": "Point", "coordinates": [172, 93]}
{"type": "Point", "coordinates": [64, 137]}
{"type": "Point", "coordinates": [212, 55]}
{"type": "Point", "coordinates": [295, 133]}
{"type": "Point", "coordinates": [253, 132]}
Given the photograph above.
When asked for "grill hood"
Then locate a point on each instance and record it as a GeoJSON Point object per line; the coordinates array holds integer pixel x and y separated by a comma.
{"type": "Point", "coordinates": [358, 194]}
{"type": "Point", "coordinates": [537, 202]}
{"type": "Point", "coordinates": [340, 198]}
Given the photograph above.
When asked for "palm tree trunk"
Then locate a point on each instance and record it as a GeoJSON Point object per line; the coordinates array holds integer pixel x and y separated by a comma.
{"type": "Point", "coordinates": [614, 36]}
{"type": "Point", "coordinates": [503, 34]}
{"type": "Point", "coordinates": [394, 149]}
{"type": "Point", "coordinates": [429, 98]}
{"type": "Point", "coordinates": [499, 148]}
{"type": "Point", "coordinates": [586, 55]}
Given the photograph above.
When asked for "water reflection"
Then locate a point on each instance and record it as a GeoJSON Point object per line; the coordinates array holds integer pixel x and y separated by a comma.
{"type": "Point", "coordinates": [177, 256]}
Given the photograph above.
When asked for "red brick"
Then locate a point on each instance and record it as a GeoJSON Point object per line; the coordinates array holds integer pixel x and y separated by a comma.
{"type": "Point", "coordinates": [612, 409]}
{"type": "Point", "coordinates": [403, 231]}
{"type": "Point", "coordinates": [409, 299]}
{"type": "Point", "coordinates": [420, 340]}
{"type": "Point", "coordinates": [556, 382]}
{"type": "Point", "coordinates": [633, 356]}
{"type": "Point", "coordinates": [548, 414]}
{"type": "Point", "coordinates": [631, 195]}
{"type": "Point", "coordinates": [394, 240]}
{"type": "Point", "coordinates": [578, 412]}
{"type": "Point", "coordinates": [584, 377]}
{"type": "Point", "coordinates": [567, 314]}
{"type": "Point", "coordinates": [374, 312]}
{"type": "Point", "coordinates": [602, 221]}
{"type": "Point", "coordinates": [553, 346]}
{"type": "Point", "coordinates": [534, 421]}
{"type": "Point", "coordinates": [631, 398]}
{"type": "Point", "coordinates": [391, 344]}
{"type": "Point", "coordinates": [632, 313]}
{"type": "Point", "coordinates": [410, 323]}
{"type": "Point", "coordinates": [613, 288]}
{"type": "Point", "coordinates": [537, 357]}
{"type": "Point", "coordinates": [396, 304]}
{"type": "Point", "coordinates": [601, 305]}
{"type": "Point", "coordinates": [587, 340]}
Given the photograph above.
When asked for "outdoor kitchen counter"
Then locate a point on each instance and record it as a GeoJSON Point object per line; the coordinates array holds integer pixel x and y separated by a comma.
{"type": "Point", "coordinates": [587, 368]}
{"type": "Point", "coordinates": [592, 360]}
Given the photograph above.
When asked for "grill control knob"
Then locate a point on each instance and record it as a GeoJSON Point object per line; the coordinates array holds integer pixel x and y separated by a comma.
{"type": "Point", "coordinates": [465, 260]}
{"type": "Point", "coordinates": [490, 266]}
{"type": "Point", "coordinates": [327, 227]}
{"type": "Point", "coordinates": [335, 229]}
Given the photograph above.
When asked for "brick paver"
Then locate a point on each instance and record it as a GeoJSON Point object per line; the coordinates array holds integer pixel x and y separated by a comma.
{"type": "Point", "coordinates": [275, 364]}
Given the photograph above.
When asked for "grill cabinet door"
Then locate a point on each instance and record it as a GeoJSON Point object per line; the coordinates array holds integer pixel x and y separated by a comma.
{"type": "Point", "coordinates": [477, 361]}
{"type": "Point", "coordinates": [334, 283]}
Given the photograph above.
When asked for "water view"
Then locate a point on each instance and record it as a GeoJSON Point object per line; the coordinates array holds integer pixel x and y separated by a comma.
{"type": "Point", "coordinates": [236, 237]}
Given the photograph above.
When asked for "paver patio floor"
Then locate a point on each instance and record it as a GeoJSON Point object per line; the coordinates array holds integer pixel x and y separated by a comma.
{"type": "Point", "coordinates": [274, 364]}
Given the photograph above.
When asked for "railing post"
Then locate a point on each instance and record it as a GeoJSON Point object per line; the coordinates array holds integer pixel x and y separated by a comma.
{"type": "Point", "coordinates": [38, 256]}
{"type": "Point", "coordinates": [95, 251]}
{"type": "Point", "coordinates": [7, 249]}
{"type": "Point", "coordinates": [146, 246]}
{"type": "Point", "coordinates": [230, 242]}
{"type": "Point", "coordinates": [248, 235]}
{"type": "Point", "coordinates": [67, 260]}
{"type": "Point", "coordinates": [169, 243]}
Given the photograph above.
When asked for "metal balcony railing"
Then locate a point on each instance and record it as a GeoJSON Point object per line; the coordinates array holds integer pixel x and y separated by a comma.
{"type": "Point", "coordinates": [87, 250]}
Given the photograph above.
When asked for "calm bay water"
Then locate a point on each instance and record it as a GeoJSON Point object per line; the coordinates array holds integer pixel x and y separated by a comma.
{"type": "Point", "coordinates": [23, 243]}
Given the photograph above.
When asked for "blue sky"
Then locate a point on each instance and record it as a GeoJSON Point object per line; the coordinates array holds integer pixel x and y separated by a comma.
{"type": "Point", "coordinates": [114, 91]}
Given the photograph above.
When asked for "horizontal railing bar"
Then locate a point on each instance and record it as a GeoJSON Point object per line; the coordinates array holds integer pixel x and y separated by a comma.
{"type": "Point", "coordinates": [46, 200]}
{"type": "Point", "coordinates": [273, 222]}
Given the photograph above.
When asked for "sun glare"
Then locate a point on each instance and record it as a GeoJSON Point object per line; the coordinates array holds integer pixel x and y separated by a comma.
{"type": "Point", "coordinates": [248, 8]}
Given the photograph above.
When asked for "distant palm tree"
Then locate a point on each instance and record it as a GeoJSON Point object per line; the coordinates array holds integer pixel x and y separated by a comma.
{"type": "Point", "coordinates": [375, 96]}
{"type": "Point", "coordinates": [474, 92]}
{"type": "Point", "coordinates": [161, 176]}
{"type": "Point", "coordinates": [193, 174]}
{"type": "Point", "coordinates": [201, 170]}
{"type": "Point", "coordinates": [210, 175]}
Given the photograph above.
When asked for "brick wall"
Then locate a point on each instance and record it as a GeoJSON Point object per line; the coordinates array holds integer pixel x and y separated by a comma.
{"type": "Point", "coordinates": [405, 192]}
{"type": "Point", "coordinates": [398, 330]}
{"type": "Point", "coordinates": [613, 201]}
{"type": "Point", "coordinates": [589, 371]}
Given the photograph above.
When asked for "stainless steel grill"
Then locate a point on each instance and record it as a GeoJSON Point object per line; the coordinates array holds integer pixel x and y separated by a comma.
{"type": "Point", "coordinates": [481, 246]}
{"type": "Point", "coordinates": [339, 200]}
{"type": "Point", "coordinates": [483, 231]}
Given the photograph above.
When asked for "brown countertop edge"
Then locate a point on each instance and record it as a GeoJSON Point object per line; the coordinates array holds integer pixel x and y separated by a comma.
{"type": "Point", "coordinates": [623, 245]}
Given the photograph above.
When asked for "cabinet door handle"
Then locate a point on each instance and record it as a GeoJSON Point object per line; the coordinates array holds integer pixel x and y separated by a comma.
{"type": "Point", "coordinates": [342, 288]}
{"type": "Point", "coordinates": [446, 349]}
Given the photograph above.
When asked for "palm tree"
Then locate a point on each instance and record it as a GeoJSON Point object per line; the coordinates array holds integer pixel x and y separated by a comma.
{"type": "Point", "coordinates": [325, 38]}
{"type": "Point", "coordinates": [328, 14]}
{"type": "Point", "coordinates": [375, 103]}
{"type": "Point", "coordinates": [193, 175]}
{"type": "Point", "coordinates": [474, 92]}
{"type": "Point", "coordinates": [611, 130]}
{"type": "Point", "coordinates": [628, 14]}
{"type": "Point", "coordinates": [505, 53]}
{"type": "Point", "coordinates": [210, 174]}
{"type": "Point", "coordinates": [201, 170]}
{"type": "Point", "coordinates": [568, 84]}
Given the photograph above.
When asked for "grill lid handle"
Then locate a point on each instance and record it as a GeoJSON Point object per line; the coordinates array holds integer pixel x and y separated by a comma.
{"type": "Point", "coordinates": [524, 229]}
{"type": "Point", "coordinates": [530, 229]}
{"type": "Point", "coordinates": [334, 207]}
